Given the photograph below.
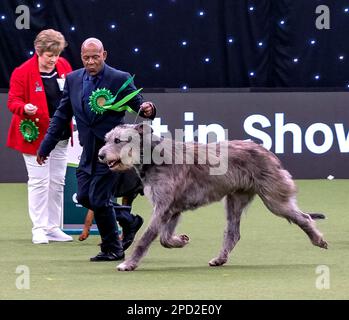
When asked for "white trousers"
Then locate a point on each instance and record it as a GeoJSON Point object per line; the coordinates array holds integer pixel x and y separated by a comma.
{"type": "Point", "coordinates": [45, 189]}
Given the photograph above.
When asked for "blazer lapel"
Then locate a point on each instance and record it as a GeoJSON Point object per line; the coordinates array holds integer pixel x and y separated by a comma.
{"type": "Point", "coordinates": [76, 96]}
{"type": "Point", "coordinates": [104, 83]}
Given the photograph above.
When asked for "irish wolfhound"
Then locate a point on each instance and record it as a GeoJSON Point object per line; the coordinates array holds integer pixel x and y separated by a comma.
{"type": "Point", "coordinates": [174, 188]}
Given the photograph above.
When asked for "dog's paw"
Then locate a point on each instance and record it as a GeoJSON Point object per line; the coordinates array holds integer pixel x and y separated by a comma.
{"type": "Point", "coordinates": [84, 235]}
{"type": "Point", "coordinates": [323, 244]}
{"type": "Point", "coordinates": [126, 266]}
{"type": "Point", "coordinates": [216, 262]}
{"type": "Point", "coordinates": [182, 240]}
{"type": "Point", "coordinates": [318, 240]}
{"type": "Point", "coordinates": [175, 241]}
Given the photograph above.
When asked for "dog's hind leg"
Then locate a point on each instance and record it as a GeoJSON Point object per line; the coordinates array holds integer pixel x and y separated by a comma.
{"type": "Point", "coordinates": [278, 192]}
{"type": "Point", "coordinates": [235, 203]}
{"type": "Point", "coordinates": [287, 208]}
{"type": "Point", "coordinates": [167, 237]}
{"type": "Point", "coordinates": [143, 244]}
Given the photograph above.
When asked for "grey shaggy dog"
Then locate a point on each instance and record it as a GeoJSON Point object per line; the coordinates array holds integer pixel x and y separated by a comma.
{"type": "Point", "coordinates": [174, 188]}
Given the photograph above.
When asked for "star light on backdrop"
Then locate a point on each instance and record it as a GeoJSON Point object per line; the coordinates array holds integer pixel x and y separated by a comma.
{"type": "Point", "coordinates": [202, 51]}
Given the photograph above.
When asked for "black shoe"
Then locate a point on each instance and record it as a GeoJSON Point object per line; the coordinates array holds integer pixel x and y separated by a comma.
{"type": "Point", "coordinates": [108, 256]}
{"type": "Point", "coordinates": [130, 232]}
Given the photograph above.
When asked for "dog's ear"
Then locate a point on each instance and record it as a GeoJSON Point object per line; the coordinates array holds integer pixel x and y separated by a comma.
{"type": "Point", "coordinates": [144, 128]}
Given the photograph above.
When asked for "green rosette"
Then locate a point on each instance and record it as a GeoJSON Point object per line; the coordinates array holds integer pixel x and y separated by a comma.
{"type": "Point", "coordinates": [102, 100]}
{"type": "Point", "coordinates": [98, 98]}
{"type": "Point", "coordinates": [121, 105]}
{"type": "Point", "coordinates": [29, 130]}
{"type": "Point", "coordinates": [123, 87]}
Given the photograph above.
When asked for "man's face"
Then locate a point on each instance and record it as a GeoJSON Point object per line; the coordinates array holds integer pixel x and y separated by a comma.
{"type": "Point", "coordinates": [93, 58]}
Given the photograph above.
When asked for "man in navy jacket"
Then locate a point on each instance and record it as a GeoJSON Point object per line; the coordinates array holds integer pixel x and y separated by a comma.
{"type": "Point", "coordinates": [95, 180]}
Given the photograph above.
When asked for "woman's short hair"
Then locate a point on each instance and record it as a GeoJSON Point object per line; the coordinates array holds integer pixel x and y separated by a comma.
{"type": "Point", "coordinates": [49, 41]}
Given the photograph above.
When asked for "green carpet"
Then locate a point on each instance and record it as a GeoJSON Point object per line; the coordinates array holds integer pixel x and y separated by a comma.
{"type": "Point", "coordinates": [273, 260]}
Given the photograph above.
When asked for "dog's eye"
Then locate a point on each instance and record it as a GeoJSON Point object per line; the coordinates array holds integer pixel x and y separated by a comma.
{"type": "Point", "coordinates": [117, 140]}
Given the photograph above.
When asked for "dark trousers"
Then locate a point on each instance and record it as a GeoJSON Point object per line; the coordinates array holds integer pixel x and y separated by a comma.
{"type": "Point", "coordinates": [95, 192]}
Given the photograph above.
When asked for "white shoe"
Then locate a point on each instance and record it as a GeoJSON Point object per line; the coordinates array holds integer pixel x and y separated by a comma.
{"type": "Point", "coordinates": [39, 238]}
{"type": "Point", "coordinates": [58, 235]}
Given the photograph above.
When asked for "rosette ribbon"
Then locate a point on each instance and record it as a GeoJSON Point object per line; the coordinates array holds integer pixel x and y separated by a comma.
{"type": "Point", "coordinates": [29, 130]}
{"type": "Point", "coordinates": [102, 100]}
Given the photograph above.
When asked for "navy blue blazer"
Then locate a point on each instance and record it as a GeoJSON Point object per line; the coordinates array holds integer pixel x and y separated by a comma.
{"type": "Point", "coordinates": [92, 127]}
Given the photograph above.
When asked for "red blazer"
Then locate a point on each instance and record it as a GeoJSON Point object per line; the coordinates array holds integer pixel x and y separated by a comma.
{"type": "Point", "coordinates": [26, 86]}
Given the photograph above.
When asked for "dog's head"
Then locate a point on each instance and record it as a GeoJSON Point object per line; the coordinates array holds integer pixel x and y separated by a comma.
{"type": "Point", "coordinates": [123, 146]}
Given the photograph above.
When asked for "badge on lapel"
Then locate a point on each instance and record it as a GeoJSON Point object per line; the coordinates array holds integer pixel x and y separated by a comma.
{"type": "Point", "coordinates": [38, 88]}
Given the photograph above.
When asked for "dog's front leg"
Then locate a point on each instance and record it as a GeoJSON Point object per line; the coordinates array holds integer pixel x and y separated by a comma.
{"type": "Point", "coordinates": [167, 237]}
{"type": "Point", "coordinates": [234, 206]}
{"type": "Point", "coordinates": [143, 244]}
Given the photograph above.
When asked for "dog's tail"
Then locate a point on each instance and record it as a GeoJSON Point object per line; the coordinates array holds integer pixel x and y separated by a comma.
{"type": "Point", "coordinates": [317, 216]}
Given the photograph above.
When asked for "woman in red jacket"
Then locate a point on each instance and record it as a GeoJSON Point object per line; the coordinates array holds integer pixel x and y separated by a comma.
{"type": "Point", "coordinates": [35, 92]}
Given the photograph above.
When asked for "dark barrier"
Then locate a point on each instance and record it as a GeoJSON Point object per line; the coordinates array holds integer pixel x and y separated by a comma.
{"type": "Point", "coordinates": [11, 162]}
{"type": "Point", "coordinates": [309, 131]}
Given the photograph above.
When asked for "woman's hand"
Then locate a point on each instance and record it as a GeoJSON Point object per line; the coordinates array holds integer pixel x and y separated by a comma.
{"type": "Point", "coordinates": [30, 109]}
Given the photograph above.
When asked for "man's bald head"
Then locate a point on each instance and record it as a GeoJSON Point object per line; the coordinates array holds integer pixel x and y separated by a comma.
{"type": "Point", "coordinates": [93, 55]}
{"type": "Point", "coordinates": [94, 42]}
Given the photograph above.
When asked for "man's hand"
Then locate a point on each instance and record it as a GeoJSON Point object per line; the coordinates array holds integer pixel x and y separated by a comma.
{"type": "Point", "coordinates": [147, 108]}
{"type": "Point", "coordinates": [40, 159]}
{"type": "Point", "coordinates": [30, 109]}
